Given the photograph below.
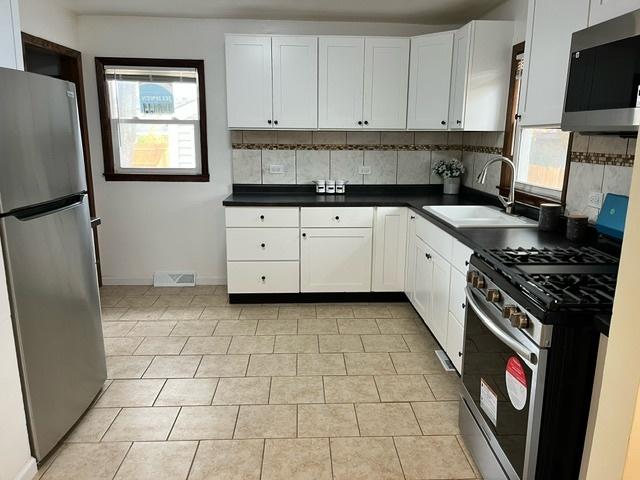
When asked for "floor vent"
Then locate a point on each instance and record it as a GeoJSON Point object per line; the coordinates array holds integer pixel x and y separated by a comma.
{"type": "Point", "coordinates": [444, 360]}
{"type": "Point", "coordinates": [174, 279]}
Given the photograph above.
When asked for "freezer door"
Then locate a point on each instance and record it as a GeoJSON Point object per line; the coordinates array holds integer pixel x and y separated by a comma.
{"type": "Point", "coordinates": [56, 313]}
{"type": "Point", "coordinates": [40, 144]}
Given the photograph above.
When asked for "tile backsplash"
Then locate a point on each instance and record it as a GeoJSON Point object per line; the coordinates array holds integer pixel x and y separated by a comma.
{"type": "Point", "coordinates": [290, 157]}
{"type": "Point", "coordinates": [599, 163]}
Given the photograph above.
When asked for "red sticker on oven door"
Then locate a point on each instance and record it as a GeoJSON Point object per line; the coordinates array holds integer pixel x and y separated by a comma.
{"type": "Point", "coordinates": [516, 381]}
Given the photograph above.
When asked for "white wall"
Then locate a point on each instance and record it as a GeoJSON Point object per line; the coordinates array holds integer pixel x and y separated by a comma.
{"type": "Point", "coordinates": [168, 226]}
{"type": "Point", "coordinates": [515, 10]}
{"type": "Point", "coordinates": [48, 20]}
{"type": "Point", "coordinates": [15, 454]}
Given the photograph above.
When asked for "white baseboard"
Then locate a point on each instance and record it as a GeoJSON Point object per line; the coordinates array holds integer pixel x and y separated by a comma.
{"type": "Point", "coordinates": [200, 280]}
{"type": "Point", "coordinates": [28, 471]}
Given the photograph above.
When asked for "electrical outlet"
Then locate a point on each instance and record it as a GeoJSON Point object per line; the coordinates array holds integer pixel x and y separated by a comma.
{"type": "Point", "coordinates": [277, 169]}
{"type": "Point", "coordinates": [595, 199]}
{"type": "Point", "coordinates": [364, 170]}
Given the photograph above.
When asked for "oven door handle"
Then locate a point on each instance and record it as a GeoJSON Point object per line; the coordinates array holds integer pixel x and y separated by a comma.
{"type": "Point", "coordinates": [507, 339]}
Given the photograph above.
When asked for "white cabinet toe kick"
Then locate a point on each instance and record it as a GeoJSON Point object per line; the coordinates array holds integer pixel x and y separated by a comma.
{"type": "Point", "coordinates": [354, 253]}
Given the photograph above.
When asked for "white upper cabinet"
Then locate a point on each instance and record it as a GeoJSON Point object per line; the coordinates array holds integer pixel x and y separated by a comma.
{"type": "Point", "coordinates": [430, 81]}
{"type": "Point", "coordinates": [295, 82]}
{"type": "Point", "coordinates": [363, 82]}
{"type": "Point", "coordinates": [249, 92]}
{"type": "Point", "coordinates": [386, 67]}
{"type": "Point", "coordinates": [601, 10]}
{"type": "Point", "coordinates": [10, 43]}
{"type": "Point", "coordinates": [340, 84]}
{"type": "Point", "coordinates": [480, 77]}
{"type": "Point", "coordinates": [550, 25]}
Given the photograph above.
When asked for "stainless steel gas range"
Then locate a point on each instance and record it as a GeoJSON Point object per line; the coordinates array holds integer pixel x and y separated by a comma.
{"type": "Point", "coordinates": [529, 358]}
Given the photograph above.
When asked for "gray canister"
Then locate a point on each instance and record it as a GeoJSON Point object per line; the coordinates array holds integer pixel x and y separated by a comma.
{"type": "Point", "coordinates": [577, 228]}
{"type": "Point", "coordinates": [550, 214]}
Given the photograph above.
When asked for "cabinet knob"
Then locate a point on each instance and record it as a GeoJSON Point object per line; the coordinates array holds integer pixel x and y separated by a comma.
{"type": "Point", "coordinates": [412, 217]}
{"type": "Point", "coordinates": [304, 235]}
{"type": "Point", "coordinates": [459, 354]}
{"type": "Point", "coordinates": [518, 116]}
{"type": "Point", "coordinates": [464, 305]}
{"type": "Point", "coordinates": [443, 122]}
{"type": "Point", "coordinates": [466, 263]}
{"type": "Point", "coordinates": [366, 122]}
{"type": "Point", "coordinates": [261, 217]}
{"type": "Point", "coordinates": [275, 122]}
{"type": "Point", "coordinates": [458, 122]}
{"type": "Point", "coordinates": [263, 278]}
{"type": "Point", "coordinates": [269, 122]}
{"type": "Point", "coordinates": [263, 245]}
{"type": "Point", "coordinates": [428, 256]}
{"type": "Point", "coordinates": [360, 122]}
{"type": "Point", "coordinates": [337, 217]}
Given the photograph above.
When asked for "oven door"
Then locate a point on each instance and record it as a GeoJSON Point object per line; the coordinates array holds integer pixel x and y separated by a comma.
{"type": "Point", "coordinates": [502, 378]}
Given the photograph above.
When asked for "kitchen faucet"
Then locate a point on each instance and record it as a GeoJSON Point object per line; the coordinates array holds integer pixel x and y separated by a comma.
{"type": "Point", "coordinates": [507, 202]}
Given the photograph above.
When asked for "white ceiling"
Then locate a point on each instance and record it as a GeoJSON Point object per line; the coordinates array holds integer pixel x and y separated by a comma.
{"type": "Point", "coordinates": [400, 11]}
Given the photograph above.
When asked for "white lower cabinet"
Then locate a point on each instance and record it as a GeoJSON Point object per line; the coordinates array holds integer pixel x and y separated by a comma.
{"type": "Point", "coordinates": [423, 280]}
{"type": "Point", "coordinates": [440, 297]}
{"type": "Point", "coordinates": [410, 265]}
{"type": "Point", "coordinates": [455, 341]}
{"type": "Point", "coordinates": [263, 277]}
{"type": "Point", "coordinates": [389, 249]}
{"type": "Point", "coordinates": [335, 259]}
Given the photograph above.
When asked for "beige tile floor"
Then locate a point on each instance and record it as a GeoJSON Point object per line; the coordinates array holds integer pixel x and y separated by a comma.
{"type": "Point", "coordinates": [201, 389]}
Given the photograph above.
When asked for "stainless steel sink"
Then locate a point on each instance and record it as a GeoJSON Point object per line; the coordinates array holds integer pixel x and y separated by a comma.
{"type": "Point", "coordinates": [479, 216]}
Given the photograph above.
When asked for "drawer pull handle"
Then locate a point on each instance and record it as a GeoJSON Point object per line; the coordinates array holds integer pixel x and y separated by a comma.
{"type": "Point", "coordinates": [263, 245]}
{"type": "Point", "coordinates": [263, 278]}
{"type": "Point", "coordinates": [261, 217]}
{"type": "Point", "coordinates": [337, 217]}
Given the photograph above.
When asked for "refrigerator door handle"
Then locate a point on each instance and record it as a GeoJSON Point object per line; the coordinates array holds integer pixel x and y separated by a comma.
{"type": "Point", "coordinates": [43, 209]}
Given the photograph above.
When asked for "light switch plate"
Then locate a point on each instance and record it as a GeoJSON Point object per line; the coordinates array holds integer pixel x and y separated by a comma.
{"type": "Point", "coordinates": [277, 169]}
{"type": "Point", "coordinates": [364, 170]}
{"type": "Point", "coordinates": [595, 199]}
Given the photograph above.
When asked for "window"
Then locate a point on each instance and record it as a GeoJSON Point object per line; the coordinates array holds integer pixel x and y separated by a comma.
{"type": "Point", "coordinates": [153, 119]}
{"type": "Point", "coordinates": [541, 160]}
{"type": "Point", "coordinates": [540, 153]}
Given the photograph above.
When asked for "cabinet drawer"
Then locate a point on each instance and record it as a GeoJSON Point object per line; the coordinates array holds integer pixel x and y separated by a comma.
{"type": "Point", "coordinates": [262, 217]}
{"type": "Point", "coordinates": [263, 244]}
{"type": "Point", "coordinates": [329, 217]}
{"type": "Point", "coordinates": [263, 277]}
{"type": "Point", "coordinates": [433, 236]}
{"type": "Point", "coordinates": [460, 256]}
{"type": "Point", "coordinates": [457, 299]}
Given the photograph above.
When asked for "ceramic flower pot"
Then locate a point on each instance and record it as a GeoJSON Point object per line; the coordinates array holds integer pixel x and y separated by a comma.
{"type": "Point", "coordinates": [451, 186]}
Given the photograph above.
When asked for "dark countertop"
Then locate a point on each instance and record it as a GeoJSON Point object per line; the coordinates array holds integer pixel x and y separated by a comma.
{"type": "Point", "coordinates": [475, 238]}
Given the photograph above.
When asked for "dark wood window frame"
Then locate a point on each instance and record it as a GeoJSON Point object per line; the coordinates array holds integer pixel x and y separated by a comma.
{"type": "Point", "coordinates": [511, 123]}
{"type": "Point", "coordinates": [105, 120]}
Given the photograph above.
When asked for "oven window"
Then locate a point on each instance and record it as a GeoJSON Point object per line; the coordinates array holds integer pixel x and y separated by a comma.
{"type": "Point", "coordinates": [486, 361]}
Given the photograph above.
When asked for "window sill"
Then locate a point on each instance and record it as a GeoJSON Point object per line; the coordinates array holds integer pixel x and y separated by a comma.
{"type": "Point", "coordinates": [529, 198]}
{"type": "Point", "coordinates": [154, 177]}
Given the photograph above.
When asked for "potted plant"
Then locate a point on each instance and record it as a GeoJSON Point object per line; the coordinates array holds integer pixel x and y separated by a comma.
{"type": "Point", "coordinates": [450, 170]}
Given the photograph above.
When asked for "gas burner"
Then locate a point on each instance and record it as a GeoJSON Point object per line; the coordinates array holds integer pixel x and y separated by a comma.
{"type": "Point", "coordinates": [552, 256]}
{"type": "Point", "coordinates": [571, 289]}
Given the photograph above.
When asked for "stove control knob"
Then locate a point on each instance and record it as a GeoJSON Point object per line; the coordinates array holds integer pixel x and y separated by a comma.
{"type": "Point", "coordinates": [493, 295]}
{"type": "Point", "coordinates": [507, 310]}
{"type": "Point", "coordinates": [519, 320]}
{"type": "Point", "coordinates": [470, 276]}
{"type": "Point", "coordinates": [478, 281]}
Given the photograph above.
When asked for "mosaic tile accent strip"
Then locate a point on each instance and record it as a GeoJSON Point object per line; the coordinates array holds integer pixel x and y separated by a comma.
{"type": "Point", "coordinates": [427, 147]}
{"type": "Point", "coordinates": [615, 159]}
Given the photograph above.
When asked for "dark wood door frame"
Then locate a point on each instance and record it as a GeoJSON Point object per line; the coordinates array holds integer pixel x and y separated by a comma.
{"type": "Point", "coordinates": [71, 70]}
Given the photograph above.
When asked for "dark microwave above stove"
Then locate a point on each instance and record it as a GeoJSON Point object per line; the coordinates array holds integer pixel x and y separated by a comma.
{"type": "Point", "coordinates": [603, 84]}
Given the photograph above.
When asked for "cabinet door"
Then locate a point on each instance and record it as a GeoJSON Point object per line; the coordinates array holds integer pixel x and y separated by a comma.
{"type": "Point", "coordinates": [248, 60]}
{"type": "Point", "coordinates": [423, 283]}
{"type": "Point", "coordinates": [335, 260]}
{"type": "Point", "coordinates": [457, 300]}
{"type": "Point", "coordinates": [389, 249]}
{"type": "Point", "coordinates": [601, 10]}
{"type": "Point", "coordinates": [295, 82]}
{"type": "Point", "coordinates": [549, 27]}
{"type": "Point", "coordinates": [430, 81]}
{"type": "Point", "coordinates": [410, 266]}
{"type": "Point", "coordinates": [340, 82]}
{"type": "Point", "coordinates": [440, 293]}
{"type": "Point", "coordinates": [455, 339]}
{"type": "Point", "coordinates": [386, 76]}
{"type": "Point", "coordinates": [10, 43]}
{"type": "Point", "coordinates": [461, 44]}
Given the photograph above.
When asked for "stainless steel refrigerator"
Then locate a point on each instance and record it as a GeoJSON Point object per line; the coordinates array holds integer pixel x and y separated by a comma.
{"type": "Point", "coordinates": [48, 253]}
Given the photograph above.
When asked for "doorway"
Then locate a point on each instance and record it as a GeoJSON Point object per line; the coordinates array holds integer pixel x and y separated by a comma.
{"type": "Point", "coordinates": [48, 58]}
